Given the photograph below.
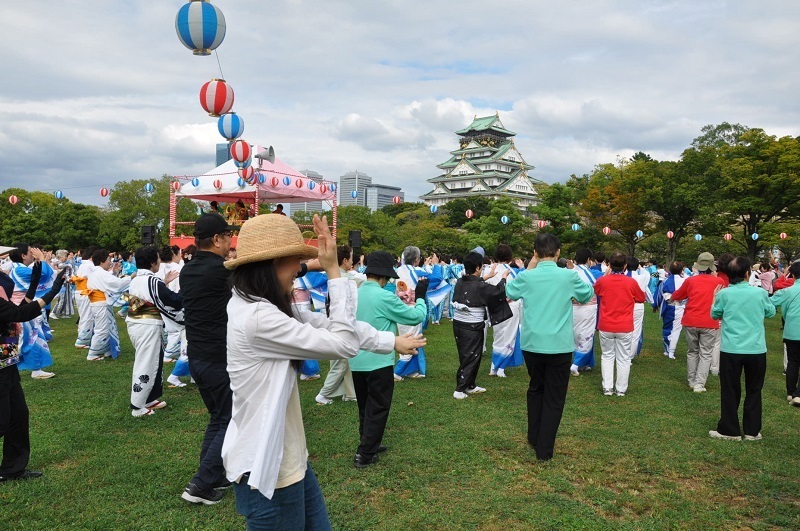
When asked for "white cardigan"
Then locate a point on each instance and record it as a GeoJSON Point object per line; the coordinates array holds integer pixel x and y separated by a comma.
{"type": "Point", "coordinates": [262, 341]}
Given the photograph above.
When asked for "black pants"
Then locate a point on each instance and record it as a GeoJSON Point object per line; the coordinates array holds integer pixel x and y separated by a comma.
{"type": "Point", "coordinates": [730, 392]}
{"type": "Point", "coordinates": [792, 367]}
{"type": "Point", "coordinates": [547, 393]}
{"type": "Point", "coordinates": [13, 424]}
{"type": "Point", "coordinates": [215, 389]}
{"type": "Point", "coordinates": [374, 391]}
{"type": "Point", "coordinates": [469, 342]}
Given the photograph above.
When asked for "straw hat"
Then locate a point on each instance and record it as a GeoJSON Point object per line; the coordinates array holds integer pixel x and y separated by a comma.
{"type": "Point", "coordinates": [269, 236]}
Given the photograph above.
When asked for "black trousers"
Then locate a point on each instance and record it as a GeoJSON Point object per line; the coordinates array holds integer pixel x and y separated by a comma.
{"type": "Point", "coordinates": [547, 393]}
{"type": "Point", "coordinates": [13, 424]}
{"type": "Point", "coordinates": [730, 392]}
{"type": "Point", "coordinates": [374, 391]}
{"type": "Point", "coordinates": [469, 342]}
{"type": "Point", "coordinates": [792, 367]}
{"type": "Point", "coordinates": [215, 389]}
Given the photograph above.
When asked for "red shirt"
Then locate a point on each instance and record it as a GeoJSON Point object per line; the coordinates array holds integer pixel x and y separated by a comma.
{"type": "Point", "coordinates": [699, 289]}
{"type": "Point", "coordinates": [617, 294]}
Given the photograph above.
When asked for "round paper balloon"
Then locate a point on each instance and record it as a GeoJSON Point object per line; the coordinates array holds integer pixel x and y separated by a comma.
{"type": "Point", "coordinates": [299, 183]}
{"type": "Point", "coordinates": [103, 192]}
{"type": "Point", "coordinates": [240, 151]}
{"type": "Point", "coordinates": [247, 173]}
{"type": "Point", "coordinates": [354, 194]}
{"type": "Point", "coordinates": [149, 187]}
{"type": "Point", "coordinates": [217, 184]}
{"type": "Point", "coordinates": [216, 97]}
{"type": "Point", "coordinates": [245, 164]}
{"type": "Point", "coordinates": [396, 200]}
{"type": "Point", "coordinates": [754, 236]}
{"type": "Point", "coordinates": [504, 220]}
{"type": "Point", "coordinates": [333, 187]}
{"type": "Point", "coordinates": [230, 126]}
{"type": "Point", "coordinates": [670, 234]}
{"type": "Point", "coordinates": [698, 237]}
{"type": "Point", "coordinates": [175, 185]}
{"type": "Point", "coordinates": [784, 235]}
{"type": "Point", "coordinates": [434, 208]}
{"type": "Point", "coordinates": [311, 185]}
{"type": "Point", "coordinates": [262, 178]}
{"type": "Point", "coordinates": [13, 199]}
{"type": "Point", "coordinates": [323, 188]}
{"type": "Point", "coordinates": [639, 234]}
{"type": "Point", "coordinates": [59, 194]}
{"type": "Point", "coordinates": [274, 181]}
{"type": "Point", "coordinates": [287, 181]}
{"type": "Point", "coordinates": [469, 214]}
{"type": "Point", "coordinates": [606, 230]}
{"type": "Point", "coordinates": [575, 226]}
{"type": "Point", "coordinates": [241, 182]}
{"type": "Point", "coordinates": [195, 182]}
{"type": "Point", "coordinates": [728, 236]}
{"type": "Point", "coordinates": [541, 223]}
{"type": "Point", "coordinates": [200, 27]}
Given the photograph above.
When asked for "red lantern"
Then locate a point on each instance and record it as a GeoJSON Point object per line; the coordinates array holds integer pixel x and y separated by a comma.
{"type": "Point", "coordinates": [240, 151]}
{"type": "Point", "coordinates": [396, 200]}
{"type": "Point", "coordinates": [103, 192]}
{"type": "Point", "coordinates": [606, 230]}
{"type": "Point", "coordinates": [323, 188]}
{"type": "Point", "coordinates": [728, 236]}
{"type": "Point", "coordinates": [299, 183]}
{"type": "Point", "coordinates": [13, 199]}
{"type": "Point", "coordinates": [247, 173]}
{"type": "Point", "coordinates": [469, 214]}
{"type": "Point", "coordinates": [541, 223]}
{"type": "Point", "coordinates": [175, 185]}
{"type": "Point", "coordinates": [216, 97]}
{"type": "Point", "coordinates": [274, 181]}
{"type": "Point", "coordinates": [670, 234]}
{"type": "Point", "coordinates": [784, 235]}
{"type": "Point", "coordinates": [217, 184]}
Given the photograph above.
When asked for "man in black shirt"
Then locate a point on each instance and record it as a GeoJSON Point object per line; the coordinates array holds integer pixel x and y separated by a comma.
{"type": "Point", "coordinates": [205, 291]}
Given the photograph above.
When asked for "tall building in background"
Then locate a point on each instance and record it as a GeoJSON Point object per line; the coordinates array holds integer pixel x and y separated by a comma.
{"type": "Point", "coordinates": [223, 154]}
{"type": "Point", "coordinates": [377, 196]}
{"type": "Point", "coordinates": [350, 181]}
{"type": "Point", "coordinates": [486, 164]}
{"type": "Point", "coordinates": [311, 206]}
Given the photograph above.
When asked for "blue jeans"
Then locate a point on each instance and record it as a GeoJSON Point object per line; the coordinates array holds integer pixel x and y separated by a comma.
{"type": "Point", "coordinates": [298, 506]}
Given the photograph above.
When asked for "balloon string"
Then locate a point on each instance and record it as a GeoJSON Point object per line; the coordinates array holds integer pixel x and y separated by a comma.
{"type": "Point", "coordinates": [218, 64]}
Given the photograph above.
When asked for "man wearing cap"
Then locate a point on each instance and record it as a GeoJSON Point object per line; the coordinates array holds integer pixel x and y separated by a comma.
{"type": "Point", "coordinates": [205, 291]}
{"type": "Point", "coordinates": [701, 330]}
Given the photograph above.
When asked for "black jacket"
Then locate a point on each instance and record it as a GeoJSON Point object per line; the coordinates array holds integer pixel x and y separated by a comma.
{"type": "Point", "coordinates": [472, 291]}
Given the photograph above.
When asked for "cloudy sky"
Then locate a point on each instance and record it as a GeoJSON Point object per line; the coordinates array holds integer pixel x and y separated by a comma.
{"type": "Point", "coordinates": [98, 91]}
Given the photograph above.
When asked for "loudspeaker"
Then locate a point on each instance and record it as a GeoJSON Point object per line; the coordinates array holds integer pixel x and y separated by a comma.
{"type": "Point", "coordinates": [148, 234]}
{"type": "Point", "coordinates": [354, 239]}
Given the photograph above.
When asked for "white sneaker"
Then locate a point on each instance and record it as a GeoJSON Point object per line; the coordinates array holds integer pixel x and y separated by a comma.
{"type": "Point", "coordinates": [476, 389]}
{"type": "Point", "coordinates": [321, 400]}
{"type": "Point", "coordinates": [42, 375]}
{"type": "Point", "coordinates": [306, 377]}
{"type": "Point", "coordinates": [574, 372]}
{"type": "Point", "coordinates": [796, 401]}
{"type": "Point", "coordinates": [458, 395]}
{"type": "Point", "coordinates": [714, 434]}
{"type": "Point", "coordinates": [94, 358]}
{"type": "Point", "coordinates": [753, 437]}
{"type": "Point", "coordinates": [398, 378]}
{"type": "Point", "coordinates": [608, 392]}
{"type": "Point", "coordinates": [174, 381]}
{"type": "Point", "coordinates": [492, 372]}
{"type": "Point", "coordinates": [53, 316]}
{"type": "Point", "coordinates": [699, 389]}
{"type": "Point", "coordinates": [501, 373]}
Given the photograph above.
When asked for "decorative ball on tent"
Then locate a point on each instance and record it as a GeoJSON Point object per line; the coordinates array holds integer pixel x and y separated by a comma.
{"type": "Point", "coordinates": [354, 194]}
{"type": "Point", "coordinates": [195, 182]}
{"type": "Point", "coordinates": [575, 226]}
{"type": "Point", "coordinates": [13, 199]}
{"type": "Point", "coordinates": [639, 234]}
{"type": "Point", "coordinates": [698, 237]}
{"type": "Point", "coordinates": [175, 185]}
{"type": "Point", "coordinates": [217, 184]}
{"type": "Point", "coordinates": [606, 230]}
{"type": "Point", "coordinates": [311, 185]}
{"type": "Point", "coordinates": [247, 173]}
{"type": "Point", "coordinates": [469, 214]}
{"type": "Point", "coordinates": [104, 192]}
{"type": "Point", "coordinates": [274, 182]}
{"type": "Point", "coordinates": [504, 220]}
{"type": "Point", "coordinates": [262, 178]}
{"type": "Point", "coordinates": [541, 223]}
{"type": "Point", "coordinates": [240, 151]}
{"type": "Point", "coordinates": [434, 208]}
{"type": "Point", "coordinates": [323, 188]}
{"type": "Point", "coordinates": [241, 182]}
{"type": "Point", "coordinates": [728, 236]}
{"type": "Point", "coordinates": [216, 97]}
{"type": "Point", "coordinates": [230, 126]}
{"type": "Point", "coordinates": [396, 200]}
{"type": "Point", "coordinates": [287, 181]}
{"type": "Point", "coordinates": [670, 234]}
{"type": "Point", "coordinates": [784, 235]}
{"type": "Point", "coordinates": [333, 187]}
{"type": "Point", "coordinates": [754, 236]}
{"type": "Point", "coordinates": [245, 164]}
{"type": "Point", "coordinates": [298, 183]}
{"type": "Point", "coordinates": [200, 26]}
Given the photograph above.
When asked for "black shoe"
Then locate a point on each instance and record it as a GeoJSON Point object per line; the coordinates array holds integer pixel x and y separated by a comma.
{"type": "Point", "coordinates": [27, 474]}
{"type": "Point", "coordinates": [194, 494]}
{"type": "Point", "coordinates": [225, 484]}
{"type": "Point", "coordinates": [363, 462]}
{"type": "Point", "coordinates": [382, 449]}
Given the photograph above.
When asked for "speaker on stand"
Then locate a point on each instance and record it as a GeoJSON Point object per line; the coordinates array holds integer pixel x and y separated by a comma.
{"type": "Point", "coordinates": [148, 234]}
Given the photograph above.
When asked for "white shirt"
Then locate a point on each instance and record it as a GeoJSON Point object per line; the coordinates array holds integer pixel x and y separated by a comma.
{"type": "Point", "coordinates": [107, 282]}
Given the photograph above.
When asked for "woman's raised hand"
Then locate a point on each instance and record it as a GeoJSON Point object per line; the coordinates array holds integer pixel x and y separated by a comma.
{"type": "Point", "coordinates": [328, 257]}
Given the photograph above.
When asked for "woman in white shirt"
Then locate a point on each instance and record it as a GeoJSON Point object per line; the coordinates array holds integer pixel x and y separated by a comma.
{"type": "Point", "coordinates": [264, 452]}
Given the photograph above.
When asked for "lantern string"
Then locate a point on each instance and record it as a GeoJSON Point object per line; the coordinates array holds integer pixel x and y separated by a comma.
{"type": "Point", "coordinates": [219, 64]}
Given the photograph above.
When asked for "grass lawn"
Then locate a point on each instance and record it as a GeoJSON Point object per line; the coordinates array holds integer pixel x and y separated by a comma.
{"type": "Point", "coordinates": [643, 461]}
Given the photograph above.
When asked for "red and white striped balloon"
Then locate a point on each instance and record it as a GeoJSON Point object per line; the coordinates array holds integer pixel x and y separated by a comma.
{"type": "Point", "coordinates": [784, 235]}
{"type": "Point", "coordinates": [323, 188]}
{"type": "Point", "coordinates": [240, 151]}
{"type": "Point", "coordinates": [728, 236]}
{"type": "Point", "coordinates": [175, 185]}
{"type": "Point", "coordinates": [396, 200]}
{"type": "Point", "coordinates": [670, 234]}
{"type": "Point", "coordinates": [13, 199]}
{"type": "Point", "coordinates": [247, 173]}
{"type": "Point", "coordinates": [541, 223]}
{"type": "Point", "coordinates": [216, 97]}
{"type": "Point", "coordinates": [469, 214]}
{"type": "Point", "coordinates": [104, 192]}
{"type": "Point", "coordinates": [217, 184]}
{"type": "Point", "coordinates": [606, 230]}
{"type": "Point", "coordinates": [299, 183]}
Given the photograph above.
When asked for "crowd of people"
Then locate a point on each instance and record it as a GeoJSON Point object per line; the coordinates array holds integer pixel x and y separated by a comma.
{"type": "Point", "coordinates": [246, 325]}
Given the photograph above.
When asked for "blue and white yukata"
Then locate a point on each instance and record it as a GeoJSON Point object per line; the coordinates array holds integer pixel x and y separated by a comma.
{"type": "Point", "coordinates": [315, 286]}
{"type": "Point", "coordinates": [34, 353]}
{"type": "Point", "coordinates": [456, 272]}
{"type": "Point", "coordinates": [438, 289]}
{"type": "Point", "coordinates": [584, 317]}
{"type": "Point", "coordinates": [506, 349]}
{"type": "Point", "coordinates": [671, 313]}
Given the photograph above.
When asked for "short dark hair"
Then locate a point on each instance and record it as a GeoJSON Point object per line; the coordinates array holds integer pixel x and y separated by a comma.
{"type": "Point", "coordinates": [204, 243]}
{"type": "Point", "coordinates": [582, 255]}
{"type": "Point", "coordinates": [16, 254]}
{"type": "Point", "coordinates": [165, 254]}
{"type": "Point", "coordinates": [618, 261]}
{"type": "Point", "coordinates": [87, 253]}
{"type": "Point", "coordinates": [99, 256]}
{"type": "Point", "coordinates": [794, 269]}
{"type": "Point", "coordinates": [343, 252]}
{"type": "Point", "coordinates": [125, 254]}
{"type": "Point", "coordinates": [146, 257]}
{"type": "Point", "coordinates": [633, 263]}
{"type": "Point", "coordinates": [738, 269]}
{"type": "Point", "coordinates": [503, 253]}
{"type": "Point", "coordinates": [599, 257]}
{"type": "Point", "coordinates": [723, 261]}
{"type": "Point", "coordinates": [546, 245]}
{"type": "Point", "coordinates": [472, 262]}
{"type": "Point", "coordinates": [676, 268]}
